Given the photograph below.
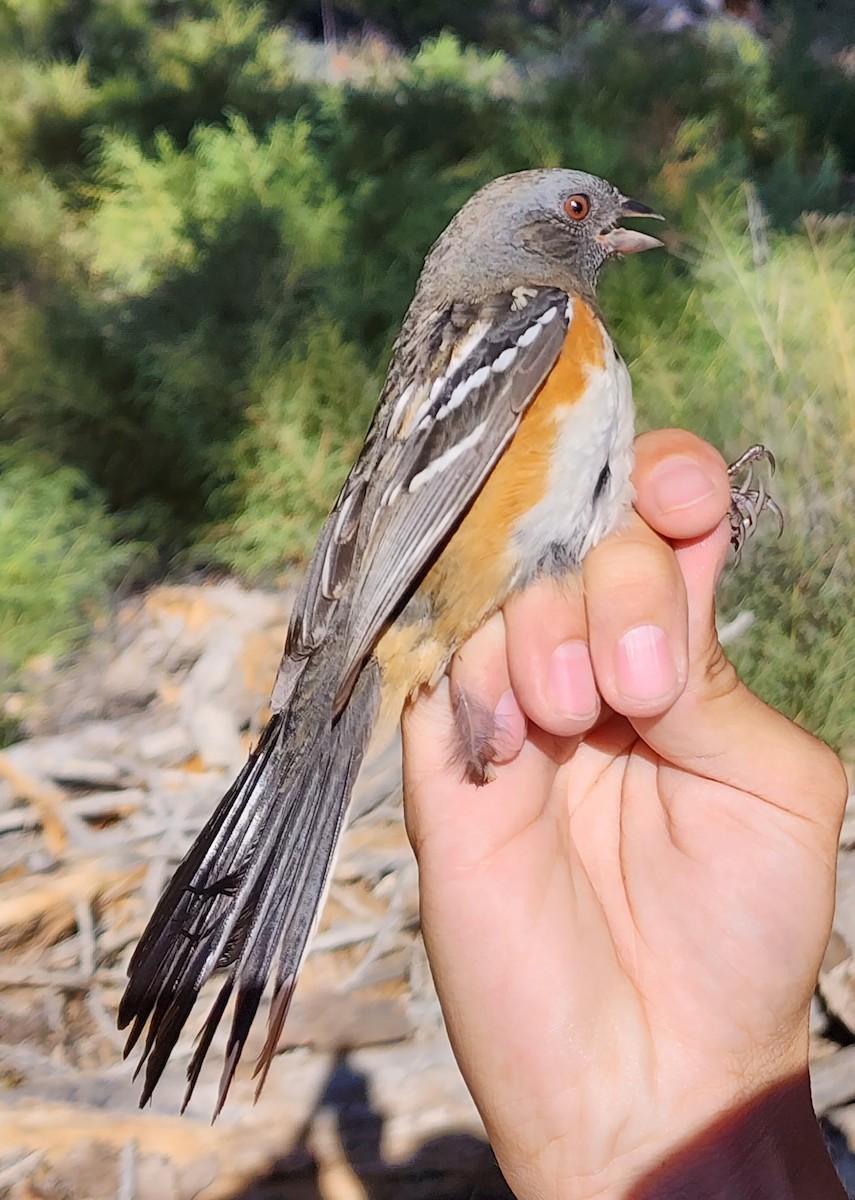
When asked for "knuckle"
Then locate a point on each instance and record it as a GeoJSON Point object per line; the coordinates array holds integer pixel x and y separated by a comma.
{"type": "Point", "coordinates": [544, 614]}
{"type": "Point", "coordinates": [631, 566]}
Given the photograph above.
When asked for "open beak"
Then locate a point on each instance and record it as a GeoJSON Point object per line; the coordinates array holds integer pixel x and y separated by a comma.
{"type": "Point", "coordinates": [630, 241]}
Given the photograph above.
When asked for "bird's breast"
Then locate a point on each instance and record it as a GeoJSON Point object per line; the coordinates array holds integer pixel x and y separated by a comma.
{"type": "Point", "coordinates": [586, 490]}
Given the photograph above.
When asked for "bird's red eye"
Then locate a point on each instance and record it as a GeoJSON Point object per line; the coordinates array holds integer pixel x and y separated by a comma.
{"type": "Point", "coordinates": [577, 207]}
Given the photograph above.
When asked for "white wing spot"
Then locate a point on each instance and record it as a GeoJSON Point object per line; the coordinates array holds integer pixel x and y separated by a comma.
{"type": "Point", "coordinates": [425, 406]}
{"type": "Point", "coordinates": [450, 456]}
{"type": "Point", "coordinates": [344, 514]}
{"type": "Point", "coordinates": [505, 359]}
{"type": "Point", "coordinates": [391, 494]}
{"type": "Point", "coordinates": [462, 352]}
{"type": "Point", "coordinates": [466, 347]}
{"type": "Point", "coordinates": [501, 363]}
{"type": "Point", "coordinates": [398, 412]}
{"type": "Point", "coordinates": [527, 336]}
{"type": "Point", "coordinates": [469, 384]}
{"type": "Point", "coordinates": [326, 574]}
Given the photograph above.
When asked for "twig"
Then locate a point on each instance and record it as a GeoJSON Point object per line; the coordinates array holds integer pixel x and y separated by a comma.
{"type": "Point", "coordinates": [127, 1189]}
{"type": "Point", "coordinates": [758, 226]}
{"type": "Point", "coordinates": [48, 801]}
{"type": "Point", "coordinates": [86, 937]}
{"type": "Point", "coordinates": [348, 935]}
{"type": "Point", "coordinates": [48, 901]}
{"type": "Point", "coordinates": [19, 1170]}
{"type": "Point", "coordinates": [65, 981]}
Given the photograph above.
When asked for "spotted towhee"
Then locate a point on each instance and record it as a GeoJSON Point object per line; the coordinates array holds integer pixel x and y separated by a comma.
{"type": "Point", "coordinates": [501, 450]}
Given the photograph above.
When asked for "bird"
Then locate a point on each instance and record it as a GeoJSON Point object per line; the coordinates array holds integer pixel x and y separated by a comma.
{"type": "Point", "coordinates": [500, 451]}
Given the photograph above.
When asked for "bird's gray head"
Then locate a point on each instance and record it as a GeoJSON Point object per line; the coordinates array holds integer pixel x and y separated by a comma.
{"type": "Point", "coordinates": [548, 228]}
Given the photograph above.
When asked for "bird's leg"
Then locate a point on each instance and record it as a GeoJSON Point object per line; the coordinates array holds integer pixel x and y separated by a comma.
{"type": "Point", "coordinates": [474, 737]}
{"type": "Point", "coordinates": [749, 498]}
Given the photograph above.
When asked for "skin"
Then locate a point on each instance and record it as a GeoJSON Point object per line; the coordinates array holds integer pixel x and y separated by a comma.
{"type": "Point", "coordinates": [625, 927]}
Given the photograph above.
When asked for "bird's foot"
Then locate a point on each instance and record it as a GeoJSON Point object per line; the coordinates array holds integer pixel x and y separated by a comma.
{"type": "Point", "coordinates": [749, 498]}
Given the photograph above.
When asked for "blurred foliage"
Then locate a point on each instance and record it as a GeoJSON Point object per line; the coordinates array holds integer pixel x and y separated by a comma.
{"type": "Point", "coordinates": [305, 423]}
{"type": "Point", "coordinates": [212, 225]}
{"type": "Point", "coordinates": [57, 551]}
{"type": "Point", "coordinates": [763, 350]}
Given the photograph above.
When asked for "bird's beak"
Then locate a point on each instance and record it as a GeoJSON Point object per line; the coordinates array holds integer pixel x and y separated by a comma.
{"type": "Point", "coordinates": [630, 241]}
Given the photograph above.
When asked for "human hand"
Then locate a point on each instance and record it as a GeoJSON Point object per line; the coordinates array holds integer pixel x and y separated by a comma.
{"type": "Point", "coordinates": [626, 925]}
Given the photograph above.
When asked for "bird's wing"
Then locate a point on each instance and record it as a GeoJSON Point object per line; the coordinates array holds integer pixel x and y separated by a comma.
{"type": "Point", "coordinates": [456, 392]}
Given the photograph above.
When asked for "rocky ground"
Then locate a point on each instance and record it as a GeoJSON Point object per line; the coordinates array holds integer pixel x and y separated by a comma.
{"type": "Point", "coordinates": [131, 747]}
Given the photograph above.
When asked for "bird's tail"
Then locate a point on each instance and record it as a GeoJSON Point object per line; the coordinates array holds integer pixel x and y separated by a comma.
{"type": "Point", "coordinates": [246, 896]}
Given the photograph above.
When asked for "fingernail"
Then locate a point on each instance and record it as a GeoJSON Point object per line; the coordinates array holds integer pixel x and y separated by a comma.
{"type": "Point", "coordinates": [510, 728]}
{"type": "Point", "coordinates": [644, 664]}
{"type": "Point", "coordinates": [570, 681]}
{"type": "Point", "coordinates": [680, 483]}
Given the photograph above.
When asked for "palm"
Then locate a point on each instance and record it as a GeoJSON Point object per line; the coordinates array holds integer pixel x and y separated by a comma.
{"type": "Point", "coordinates": [699, 865]}
{"type": "Point", "coordinates": [665, 923]}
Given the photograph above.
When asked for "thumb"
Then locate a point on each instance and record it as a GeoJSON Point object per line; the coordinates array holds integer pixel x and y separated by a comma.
{"type": "Point", "coordinates": [720, 730]}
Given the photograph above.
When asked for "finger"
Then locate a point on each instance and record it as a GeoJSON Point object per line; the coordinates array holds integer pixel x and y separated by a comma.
{"type": "Point", "coordinates": [681, 482]}
{"type": "Point", "coordinates": [720, 730]}
{"type": "Point", "coordinates": [635, 601]}
{"type": "Point", "coordinates": [548, 658]}
{"type": "Point", "coordinates": [441, 807]}
{"type": "Point", "coordinates": [453, 824]}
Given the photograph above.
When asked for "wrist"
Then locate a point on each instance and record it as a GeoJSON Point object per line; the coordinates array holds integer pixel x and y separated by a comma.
{"type": "Point", "coordinates": [771, 1148]}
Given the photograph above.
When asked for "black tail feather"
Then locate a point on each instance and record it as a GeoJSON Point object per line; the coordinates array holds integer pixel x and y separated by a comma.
{"type": "Point", "coordinates": [249, 889]}
{"type": "Point", "coordinates": [206, 1035]}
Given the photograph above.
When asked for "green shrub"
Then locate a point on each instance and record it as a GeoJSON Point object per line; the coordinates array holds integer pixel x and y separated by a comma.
{"type": "Point", "coordinates": [58, 559]}
{"type": "Point", "coordinates": [307, 415]}
{"type": "Point", "coordinates": [157, 213]}
{"type": "Point", "coordinates": [132, 363]}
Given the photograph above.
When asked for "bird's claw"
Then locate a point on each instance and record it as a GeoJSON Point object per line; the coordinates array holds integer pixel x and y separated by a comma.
{"type": "Point", "coordinates": [749, 498]}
